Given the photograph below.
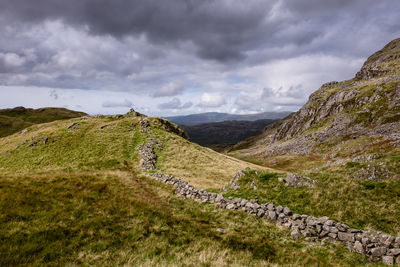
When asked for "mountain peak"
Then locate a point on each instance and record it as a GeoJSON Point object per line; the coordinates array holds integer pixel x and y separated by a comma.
{"type": "Point", "coordinates": [385, 61]}
{"type": "Point", "coordinates": [342, 114]}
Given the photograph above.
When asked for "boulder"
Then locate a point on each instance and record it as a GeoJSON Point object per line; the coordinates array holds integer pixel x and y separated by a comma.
{"type": "Point", "coordinates": [394, 252]}
{"type": "Point", "coordinates": [378, 252]}
{"type": "Point", "coordinates": [279, 209]}
{"type": "Point", "coordinates": [388, 260]}
{"type": "Point", "coordinates": [287, 211]}
{"type": "Point", "coordinates": [295, 234]}
{"type": "Point", "coordinates": [272, 215]}
{"type": "Point", "coordinates": [346, 237]}
{"type": "Point", "coordinates": [294, 180]}
{"type": "Point", "coordinates": [231, 206]}
{"type": "Point", "coordinates": [358, 247]}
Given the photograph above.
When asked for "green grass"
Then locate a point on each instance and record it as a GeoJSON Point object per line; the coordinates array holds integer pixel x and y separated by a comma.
{"type": "Point", "coordinates": [126, 219]}
{"type": "Point", "coordinates": [85, 146]}
{"type": "Point", "coordinates": [79, 199]}
{"type": "Point", "coordinates": [14, 120]}
{"type": "Point", "coordinates": [358, 203]}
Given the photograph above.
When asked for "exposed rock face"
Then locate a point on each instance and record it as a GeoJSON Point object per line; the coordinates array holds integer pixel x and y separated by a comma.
{"type": "Point", "coordinates": [133, 113]}
{"type": "Point", "coordinates": [294, 180]}
{"type": "Point", "coordinates": [170, 127]}
{"type": "Point", "coordinates": [366, 106]}
{"type": "Point", "coordinates": [375, 65]}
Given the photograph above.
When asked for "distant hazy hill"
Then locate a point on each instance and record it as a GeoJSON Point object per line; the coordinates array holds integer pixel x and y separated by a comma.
{"type": "Point", "coordinates": [218, 117]}
{"type": "Point", "coordinates": [13, 120]}
{"type": "Point", "coordinates": [224, 133]}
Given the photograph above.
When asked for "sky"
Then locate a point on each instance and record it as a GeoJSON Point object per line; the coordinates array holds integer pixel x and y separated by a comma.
{"type": "Point", "coordinates": [176, 57]}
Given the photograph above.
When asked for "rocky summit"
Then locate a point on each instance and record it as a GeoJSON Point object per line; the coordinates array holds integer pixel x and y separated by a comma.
{"type": "Point", "coordinates": [341, 118]}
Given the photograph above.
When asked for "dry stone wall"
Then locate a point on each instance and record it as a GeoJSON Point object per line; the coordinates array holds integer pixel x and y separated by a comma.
{"type": "Point", "coordinates": [375, 245]}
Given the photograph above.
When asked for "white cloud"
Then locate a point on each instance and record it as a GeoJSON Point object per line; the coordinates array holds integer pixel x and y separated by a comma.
{"type": "Point", "coordinates": [212, 100]}
{"type": "Point", "coordinates": [12, 59]}
{"type": "Point", "coordinates": [268, 99]}
{"type": "Point", "coordinates": [170, 89]}
{"type": "Point", "coordinates": [175, 104]}
{"type": "Point", "coordinates": [114, 104]}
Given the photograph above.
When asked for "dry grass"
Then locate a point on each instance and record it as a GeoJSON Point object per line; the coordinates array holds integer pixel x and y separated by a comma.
{"type": "Point", "coordinates": [200, 166]}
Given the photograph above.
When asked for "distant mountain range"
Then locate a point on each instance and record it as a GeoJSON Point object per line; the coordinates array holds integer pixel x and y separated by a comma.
{"type": "Point", "coordinates": [219, 135]}
{"type": "Point", "coordinates": [208, 117]}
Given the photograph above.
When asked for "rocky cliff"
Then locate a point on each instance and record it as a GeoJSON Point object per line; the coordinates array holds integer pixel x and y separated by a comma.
{"type": "Point", "coordinates": [361, 114]}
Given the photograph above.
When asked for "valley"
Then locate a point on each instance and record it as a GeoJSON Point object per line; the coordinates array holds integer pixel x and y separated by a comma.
{"type": "Point", "coordinates": [320, 187]}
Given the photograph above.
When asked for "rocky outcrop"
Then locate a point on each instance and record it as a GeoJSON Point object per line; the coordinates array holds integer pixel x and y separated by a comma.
{"type": "Point", "coordinates": [233, 184]}
{"type": "Point", "coordinates": [294, 180]}
{"type": "Point", "coordinates": [172, 128]}
{"type": "Point", "coordinates": [144, 125]}
{"type": "Point", "coordinates": [368, 105]}
{"type": "Point", "coordinates": [133, 113]}
{"type": "Point", "coordinates": [375, 65]}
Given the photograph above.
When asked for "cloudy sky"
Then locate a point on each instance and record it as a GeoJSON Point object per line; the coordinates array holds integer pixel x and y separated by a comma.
{"type": "Point", "coordinates": [169, 57]}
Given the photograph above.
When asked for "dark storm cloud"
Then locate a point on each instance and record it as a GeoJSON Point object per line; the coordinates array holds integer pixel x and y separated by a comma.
{"type": "Point", "coordinates": [153, 47]}
{"type": "Point", "coordinates": [219, 30]}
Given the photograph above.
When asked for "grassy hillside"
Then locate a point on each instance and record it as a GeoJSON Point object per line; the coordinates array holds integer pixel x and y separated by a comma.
{"type": "Point", "coordinates": [72, 193]}
{"type": "Point", "coordinates": [15, 119]}
{"type": "Point", "coordinates": [123, 218]}
{"type": "Point", "coordinates": [110, 143]}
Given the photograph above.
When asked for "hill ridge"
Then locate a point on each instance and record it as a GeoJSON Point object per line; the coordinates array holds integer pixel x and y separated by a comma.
{"type": "Point", "coordinates": [368, 105]}
{"type": "Point", "coordinates": [13, 120]}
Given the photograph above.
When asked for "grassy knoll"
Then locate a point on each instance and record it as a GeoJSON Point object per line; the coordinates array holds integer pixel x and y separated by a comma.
{"type": "Point", "coordinates": [16, 119]}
